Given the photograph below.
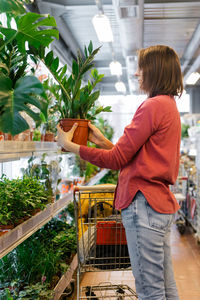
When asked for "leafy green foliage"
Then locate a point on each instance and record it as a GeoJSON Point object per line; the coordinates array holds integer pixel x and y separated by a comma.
{"type": "Point", "coordinates": [19, 92]}
{"type": "Point", "coordinates": [184, 130]}
{"type": "Point", "coordinates": [19, 197]}
{"type": "Point", "coordinates": [52, 108]}
{"type": "Point", "coordinates": [14, 101]}
{"type": "Point", "coordinates": [36, 291]}
{"type": "Point", "coordinates": [74, 99]}
{"type": "Point", "coordinates": [42, 258]}
{"type": "Point", "coordinates": [13, 63]}
{"type": "Point", "coordinates": [5, 294]}
{"type": "Point", "coordinates": [111, 177]}
{"type": "Point", "coordinates": [28, 31]}
{"type": "Point", "coordinates": [12, 7]}
{"type": "Point", "coordinates": [104, 127]}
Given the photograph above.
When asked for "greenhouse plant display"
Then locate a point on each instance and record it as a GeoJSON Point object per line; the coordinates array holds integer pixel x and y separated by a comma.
{"type": "Point", "coordinates": [20, 198]}
{"type": "Point", "coordinates": [40, 261]}
{"type": "Point", "coordinates": [20, 92]}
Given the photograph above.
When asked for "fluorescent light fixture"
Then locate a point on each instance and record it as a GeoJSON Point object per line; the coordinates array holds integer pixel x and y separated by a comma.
{"type": "Point", "coordinates": [193, 78]}
{"type": "Point", "coordinates": [120, 86]}
{"type": "Point", "coordinates": [115, 68]}
{"type": "Point", "coordinates": [102, 27]}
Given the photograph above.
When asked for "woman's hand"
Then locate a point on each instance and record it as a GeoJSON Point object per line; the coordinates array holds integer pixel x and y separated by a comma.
{"type": "Point", "coordinates": [64, 139]}
{"type": "Point", "coordinates": [96, 137]}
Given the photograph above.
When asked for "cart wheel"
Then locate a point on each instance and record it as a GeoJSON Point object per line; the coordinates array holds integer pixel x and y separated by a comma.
{"type": "Point", "coordinates": [181, 228]}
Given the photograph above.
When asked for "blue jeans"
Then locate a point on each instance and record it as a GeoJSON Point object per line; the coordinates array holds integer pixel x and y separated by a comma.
{"type": "Point", "coordinates": [148, 238]}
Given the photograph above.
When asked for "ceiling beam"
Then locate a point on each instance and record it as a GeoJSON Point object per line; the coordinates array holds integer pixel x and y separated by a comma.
{"type": "Point", "coordinates": [84, 5]}
{"type": "Point", "coordinates": [76, 2]}
{"type": "Point", "coordinates": [193, 68]}
{"type": "Point", "coordinates": [191, 48]}
{"type": "Point", "coordinates": [105, 63]}
{"type": "Point", "coordinates": [64, 31]}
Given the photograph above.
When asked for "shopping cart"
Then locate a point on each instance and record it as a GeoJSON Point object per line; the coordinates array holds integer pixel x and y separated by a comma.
{"type": "Point", "coordinates": [101, 241]}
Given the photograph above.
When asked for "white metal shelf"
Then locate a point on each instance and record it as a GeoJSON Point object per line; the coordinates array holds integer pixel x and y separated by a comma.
{"type": "Point", "coordinates": [13, 150]}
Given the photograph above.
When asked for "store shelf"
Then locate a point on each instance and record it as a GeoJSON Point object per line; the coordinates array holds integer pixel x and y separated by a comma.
{"type": "Point", "coordinates": [65, 279]}
{"type": "Point", "coordinates": [16, 236]}
{"type": "Point", "coordinates": [13, 150]}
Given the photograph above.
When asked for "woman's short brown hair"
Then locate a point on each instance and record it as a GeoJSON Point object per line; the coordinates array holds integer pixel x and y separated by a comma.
{"type": "Point", "coordinates": [161, 71]}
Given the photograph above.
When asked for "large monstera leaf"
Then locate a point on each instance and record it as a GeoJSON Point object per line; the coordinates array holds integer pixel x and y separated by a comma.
{"type": "Point", "coordinates": [29, 30]}
{"type": "Point", "coordinates": [14, 101]}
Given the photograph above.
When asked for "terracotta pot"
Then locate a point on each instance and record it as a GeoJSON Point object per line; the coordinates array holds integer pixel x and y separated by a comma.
{"type": "Point", "coordinates": [49, 137]}
{"type": "Point", "coordinates": [1, 136]}
{"type": "Point", "coordinates": [5, 228]}
{"type": "Point", "coordinates": [81, 132]}
{"type": "Point", "coordinates": [22, 220]}
{"type": "Point", "coordinates": [27, 135]}
{"type": "Point", "coordinates": [8, 137]}
{"type": "Point", "coordinates": [35, 211]}
{"type": "Point", "coordinates": [31, 135]}
{"type": "Point", "coordinates": [3, 232]}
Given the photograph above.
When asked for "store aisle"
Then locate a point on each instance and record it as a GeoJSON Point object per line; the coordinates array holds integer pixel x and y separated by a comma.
{"type": "Point", "coordinates": [186, 260]}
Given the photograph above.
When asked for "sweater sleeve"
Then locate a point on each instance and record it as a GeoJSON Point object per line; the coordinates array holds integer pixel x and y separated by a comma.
{"type": "Point", "coordinates": [143, 125]}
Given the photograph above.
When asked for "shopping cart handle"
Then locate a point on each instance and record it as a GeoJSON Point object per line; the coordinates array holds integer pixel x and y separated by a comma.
{"type": "Point", "coordinates": [100, 187]}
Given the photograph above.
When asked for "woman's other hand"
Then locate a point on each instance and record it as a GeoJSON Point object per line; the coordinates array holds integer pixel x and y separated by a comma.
{"type": "Point", "coordinates": [96, 137]}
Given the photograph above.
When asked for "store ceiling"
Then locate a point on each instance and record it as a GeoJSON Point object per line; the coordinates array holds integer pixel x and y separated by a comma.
{"type": "Point", "coordinates": [144, 23]}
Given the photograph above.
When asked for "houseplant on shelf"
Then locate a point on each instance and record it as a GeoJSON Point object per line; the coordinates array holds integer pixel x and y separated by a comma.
{"type": "Point", "coordinates": [20, 198]}
{"type": "Point", "coordinates": [20, 92]}
{"type": "Point", "coordinates": [75, 99]}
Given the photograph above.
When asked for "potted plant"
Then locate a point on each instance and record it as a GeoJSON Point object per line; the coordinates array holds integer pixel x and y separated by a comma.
{"type": "Point", "coordinates": [20, 92]}
{"type": "Point", "coordinates": [75, 98]}
{"type": "Point", "coordinates": [49, 126]}
{"type": "Point", "coordinates": [20, 198]}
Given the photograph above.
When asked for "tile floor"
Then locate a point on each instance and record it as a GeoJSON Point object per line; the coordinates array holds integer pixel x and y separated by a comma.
{"type": "Point", "coordinates": [186, 260]}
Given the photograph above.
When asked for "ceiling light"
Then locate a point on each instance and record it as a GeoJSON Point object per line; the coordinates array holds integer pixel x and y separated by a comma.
{"type": "Point", "coordinates": [193, 78]}
{"type": "Point", "coordinates": [102, 27]}
{"type": "Point", "coordinates": [115, 68]}
{"type": "Point", "coordinates": [120, 87]}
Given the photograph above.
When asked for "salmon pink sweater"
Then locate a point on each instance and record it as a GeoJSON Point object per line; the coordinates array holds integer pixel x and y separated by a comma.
{"type": "Point", "coordinates": [147, 155]}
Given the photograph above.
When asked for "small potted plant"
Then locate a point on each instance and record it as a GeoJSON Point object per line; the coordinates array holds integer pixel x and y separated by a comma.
{"type": "Point", "coordinates": [75, 98]}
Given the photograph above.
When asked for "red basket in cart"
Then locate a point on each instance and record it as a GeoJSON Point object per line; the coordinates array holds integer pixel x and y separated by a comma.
{"type": "Point", "coordinates": [110, 233]}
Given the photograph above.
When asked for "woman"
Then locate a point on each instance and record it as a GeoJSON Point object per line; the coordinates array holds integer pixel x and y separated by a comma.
{"type": "Point", "coordinates": [147, 156]}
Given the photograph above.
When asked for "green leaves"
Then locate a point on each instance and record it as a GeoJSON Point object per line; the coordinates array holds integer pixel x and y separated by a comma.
{"type": "Point", "coordinates": [37, 263]}
{"type": "Point", "coordinates": [12, 7]}
{"type": "Point", "coordinates": [18, 92]}
{"type": "Point", "coordinates": [28, 30]}
{"type": "Point", "coordinates": [19, 197]}
{"type": "Point", "coordinates": [75, 69]}
{"type": "Point", "coordinates": [90, 47]}
{"type": "Point", "coordinates": [14, 101]}
{"type": "Point", "coordinates": [77, 99]}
